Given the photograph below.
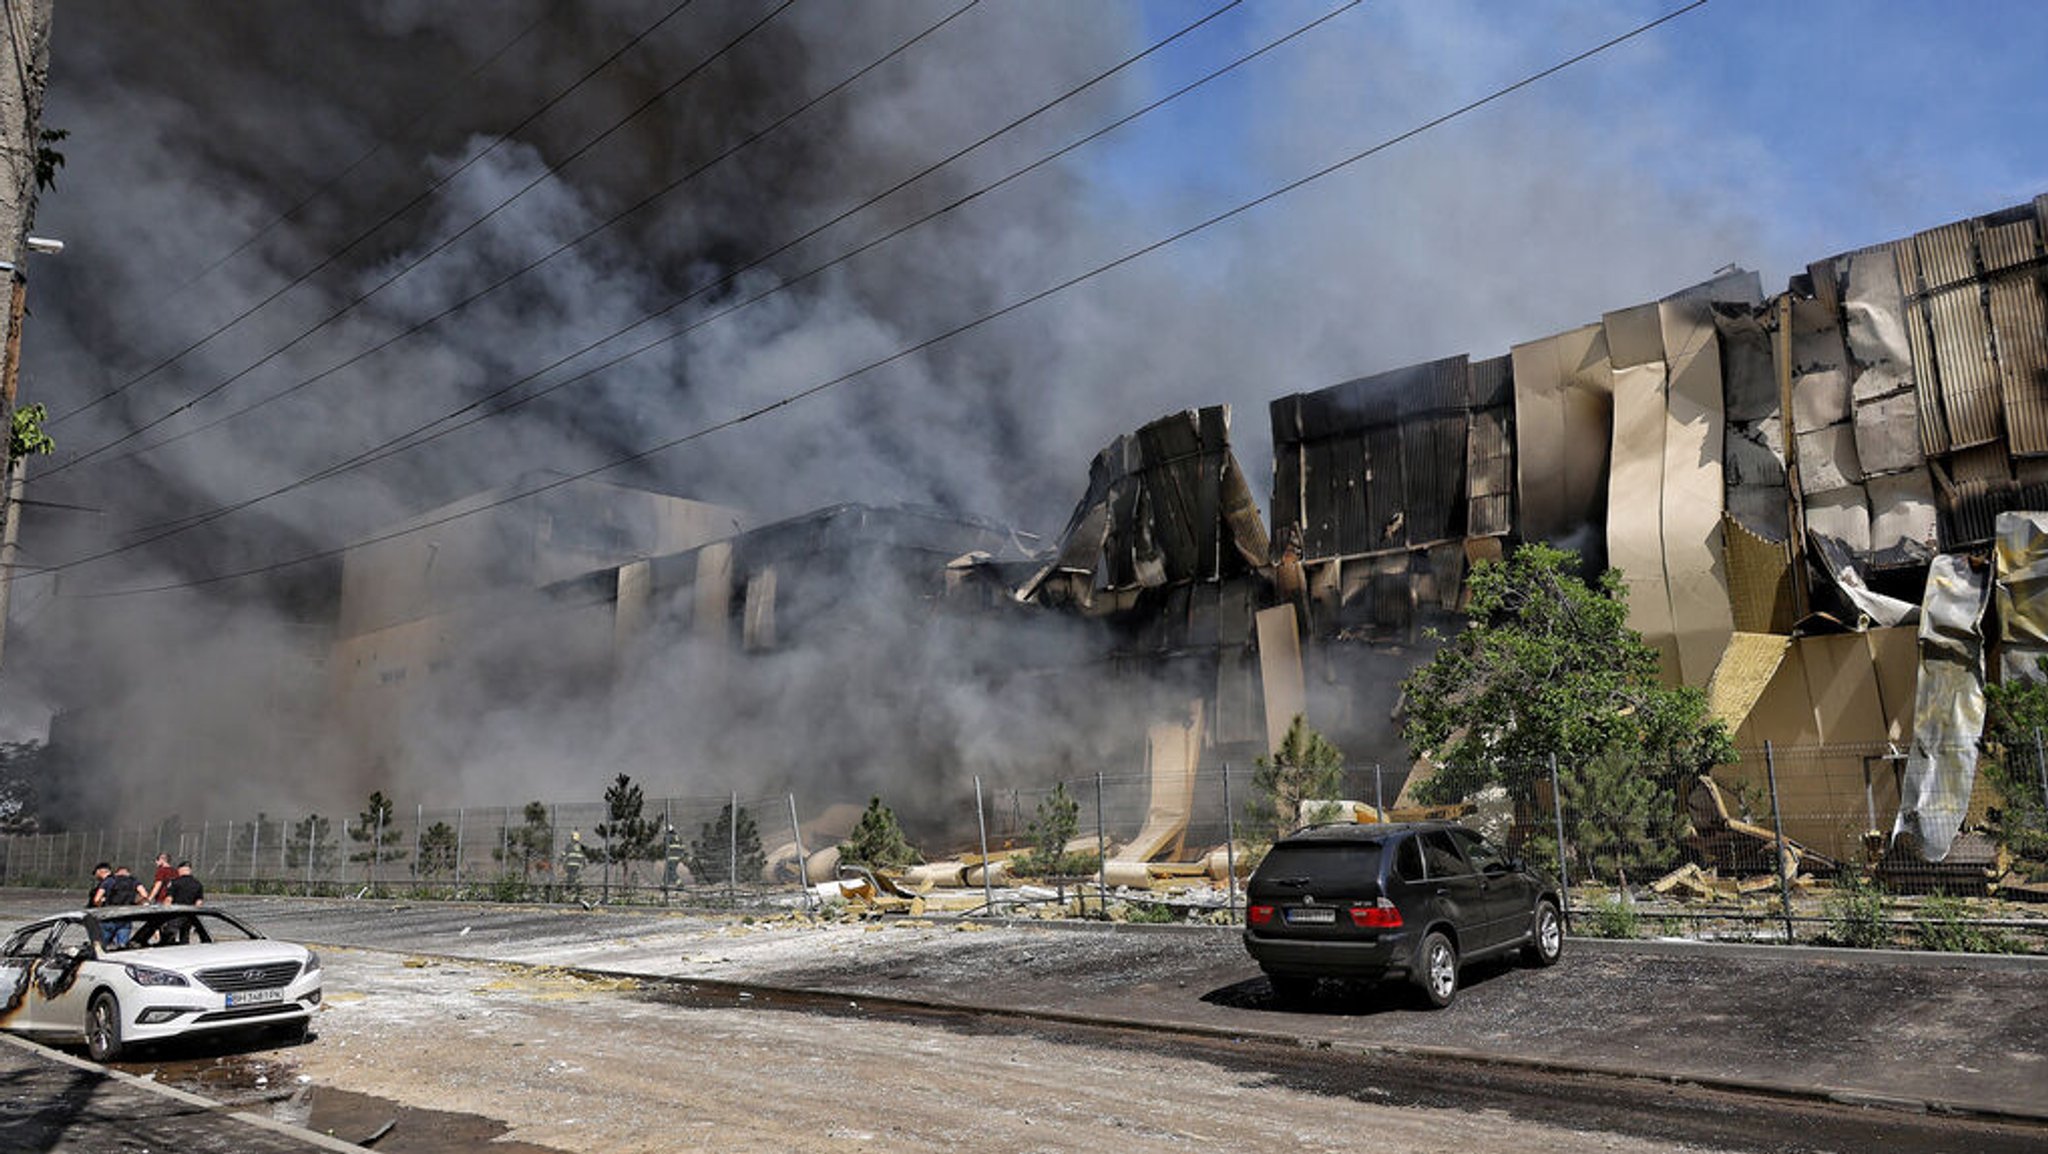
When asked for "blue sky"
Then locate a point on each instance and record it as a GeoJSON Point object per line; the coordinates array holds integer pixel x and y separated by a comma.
{"type": "Point", "coordinates": [1837, 123]}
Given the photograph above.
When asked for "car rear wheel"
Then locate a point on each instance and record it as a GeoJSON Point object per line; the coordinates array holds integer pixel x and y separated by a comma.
{"type": "Point", "coordinates": [1437, 975]}
{"type": "Point", "coordinates": [1546, 936]}
{"type": "Point", "coordinates": [103, 1028]}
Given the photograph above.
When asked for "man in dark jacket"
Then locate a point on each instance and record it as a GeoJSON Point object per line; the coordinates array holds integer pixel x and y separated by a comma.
{"type": "Point", "coordinates": [100, 874]}
{"type": "Point", "coordinates": [123, 889]}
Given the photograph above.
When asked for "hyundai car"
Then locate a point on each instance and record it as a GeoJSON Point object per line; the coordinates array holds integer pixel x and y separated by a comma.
{"type": "Point", "coordinates": [116, 978]}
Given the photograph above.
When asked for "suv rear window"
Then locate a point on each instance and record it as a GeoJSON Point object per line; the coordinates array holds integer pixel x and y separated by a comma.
{"type": "Point", "coordinates": [1351, 866]}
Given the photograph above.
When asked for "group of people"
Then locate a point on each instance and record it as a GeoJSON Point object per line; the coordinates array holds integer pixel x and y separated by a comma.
{"type": "Point", "coordinates": [171, 886]}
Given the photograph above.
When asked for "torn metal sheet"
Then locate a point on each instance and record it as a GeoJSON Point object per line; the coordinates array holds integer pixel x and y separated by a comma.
{"type": "Point", "coordinates": [1762, 509]}
{"type": "Point", "coordinates": [1874, 307]}
{"type": "Point", "coordinates": [2022, 560]}
{"type": "Point", "coordinates": [1489, 449]}
{"type": "Point", "coordinates": [1746, 669]}
{"type": "Point", "coordinates": [1820, 367]}
{"type": "Point", "coordinates": [1172, 751]}
{"type": "Point", "coordinates": [1754, 456]}
{"type": "Point", "coordinates": [1972, 488]}
{"type": "Point", "coordinates": [1749, 380]}
{"type": "Point", "coordinates": [1904, 525]}
{"type": "Point", "coordinates": [1165, 505]}
{"type": "Point", "coordinates": [1934, 434]}
{"type": "Point", "coordinates": [1827, 459]}
{"type": "Point", "coordinates": [1693, 495]}
{"type": "Point", "coordinates": [1845, 574]}
{"type": "Point", "coordinates": [1759, 580]}
{"type": "Point", "coordinates": [1633, 336]}
{"type": "Point", "coordinates": [1280, 672]}
{"type": "Point", "coordinates": [1635, 530]}
{"type": "Point", "coordinates": [1563, 422]}
{"type": "Point", "coordinates": [1887, 435]}
{"type": "Point", "coordinates": [2019, 325]}
{"type": "Point", "coordinates": [1948, 708]}
{"type": "Point", "coordinates": [1843, 514]}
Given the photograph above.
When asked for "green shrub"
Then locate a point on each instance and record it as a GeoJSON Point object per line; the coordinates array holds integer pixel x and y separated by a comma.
{"type": "Point", "coordinates": [1943, 924]}
{"type": "Point", "coordinates": [1148, 913]}
{"type": "Point", "coordinates": [1613, 916]}
{"type": "Point", "coordinates": [1859, 914]}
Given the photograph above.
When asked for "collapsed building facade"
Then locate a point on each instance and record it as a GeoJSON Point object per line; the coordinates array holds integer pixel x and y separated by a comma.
{"type": "Point", "coordinates": [1812, 495]}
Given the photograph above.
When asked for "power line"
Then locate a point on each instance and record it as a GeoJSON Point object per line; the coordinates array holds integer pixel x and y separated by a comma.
{"type": "Point", "coordinates": [546, 173]}
{"type": "Point", "coordinates": [939, 338]}
{"type": "Point", "coordinates": [400, 443]}
{"type": "Point", "coordinates": [433, 104]}
{"type": "Point", "coordinates": [360, 237]}
{"type": "Point", "coordinates": [515, 274]}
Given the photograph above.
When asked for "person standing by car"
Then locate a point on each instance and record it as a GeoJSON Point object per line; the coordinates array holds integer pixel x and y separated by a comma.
{"type": "Point", "coordinates": [123, 889]}
{"type": "Point", "coordinates": [159, 885]}
{"type": "Point", "coordinates": [100, 874]}
{"type": "Point", "coordinates": [184, 890]}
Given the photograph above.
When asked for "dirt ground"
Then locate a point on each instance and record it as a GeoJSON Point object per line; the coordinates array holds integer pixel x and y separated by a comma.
{"type": "Point", "coordinates": [576, 1065]}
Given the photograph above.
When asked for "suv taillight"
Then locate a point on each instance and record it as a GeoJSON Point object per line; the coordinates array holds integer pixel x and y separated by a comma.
{"type": "Point", "coordinates": [1381, 915]}
{"type": "Point", "coordinates": [1258, 915]}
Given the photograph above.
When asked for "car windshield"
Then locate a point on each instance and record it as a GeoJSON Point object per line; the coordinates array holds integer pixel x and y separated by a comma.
{"type": "Point", "coordinates": [151, 928]}
{"type": "Point", "coordinates": [1348, 866]}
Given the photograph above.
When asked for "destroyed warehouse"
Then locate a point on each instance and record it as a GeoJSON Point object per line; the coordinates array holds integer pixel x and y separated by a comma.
{"type": "Point", "coordinates": [1812, 496]}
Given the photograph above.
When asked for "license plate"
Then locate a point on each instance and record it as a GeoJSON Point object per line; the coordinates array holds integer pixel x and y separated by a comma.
{"type": "Point", "coordinates": [1312, 915]}
{"type": "Point", "coordinates": [253, 997]}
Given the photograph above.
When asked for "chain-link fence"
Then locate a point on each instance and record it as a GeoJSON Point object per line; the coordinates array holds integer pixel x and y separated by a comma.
{"type": "Point", "coordinates": [1784, 844]}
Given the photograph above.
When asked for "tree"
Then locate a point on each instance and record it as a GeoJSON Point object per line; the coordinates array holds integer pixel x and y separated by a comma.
{"type": "Point", "coordinates": [1051, 830]}
{"type": "Point", "coordinates": [376, 832]}
{"type": "Point", "coordinates": [627, 835]}
{"type": "Point", "coordinates": [530, 846]}
{"type": "Point", "coordinates": [723, 839]}
{"type": "Point", "coordinates": [27, 438]}
{"type": "Point", "coordinates": [1547, 665]}
{"type": "Point", "coordinates": [1305, 768]}
{"type": "Point", "coordinates": [310, 842]}
{"type": "Point", "coordinates": [1619, 819]}
{"type": "Point", "coordinates": [437, 851]}
{"type": "Point", "coordinates": [877, 840]}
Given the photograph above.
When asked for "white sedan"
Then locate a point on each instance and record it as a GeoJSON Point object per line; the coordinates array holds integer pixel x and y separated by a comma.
{"type": "Point", "coordinates": [119, 977]}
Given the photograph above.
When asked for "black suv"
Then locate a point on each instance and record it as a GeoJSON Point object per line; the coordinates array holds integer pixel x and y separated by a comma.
{"type": "Point", "coordinates": [1393, 900]}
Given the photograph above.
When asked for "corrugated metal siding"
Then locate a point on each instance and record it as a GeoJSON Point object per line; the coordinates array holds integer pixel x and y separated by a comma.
{"type": "Point", "coordinates": [1318, 520]}
{"type": "Point", "coordinates": [2008, 244]}
{"type": "Point", "coordinates": [1969, 379]}
{"type": "Point", "coordinates": [2020, 324]}
{"type": "Point", "coordinates": [1983, 488]}
{"type": "Point", "coordinates": [1489, 448]}
{"type": "Point", "coordinates": [1934, 436]}
{"type": "Point", "coordinates": [1384, 525]}
{"type": "Point", "coordinates": [1946, 254]}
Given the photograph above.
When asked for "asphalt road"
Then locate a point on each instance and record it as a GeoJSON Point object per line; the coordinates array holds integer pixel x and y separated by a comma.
{"type": "Point", "coordinates": [1901, 1032]}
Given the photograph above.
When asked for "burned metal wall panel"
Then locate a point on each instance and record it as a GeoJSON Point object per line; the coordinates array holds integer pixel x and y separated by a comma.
{"type": "Point", "coordinates": [1489, 450]}
{"type": "Point", "coordinates": [1635, 532]}
{"type": "Point", "coordinates": [1693, 493]}
{"type": "Point", "coordinates": [1904, 524]}
{"type": "Point", "coordinates": [1979, 486]}
{"type": "Point", "coordinates": [1952, 305]}
{"type": "Point", "coordinates": [1563, 419]}
{"type": "Point", "coordinates": [1934, 434]}
{"type": "Point", "coordinates": [2019, 326]}
{"type": "Point", "coordinates": [1948, 711]}
{"type": "Point", "coordinates": [2022, 591]}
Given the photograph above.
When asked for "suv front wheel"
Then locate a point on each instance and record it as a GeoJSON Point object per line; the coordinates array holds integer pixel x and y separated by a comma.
{"type": "Point", "coordinates": [1546, 935]}
{"type": "Point", "coordinates": [1437, 973]}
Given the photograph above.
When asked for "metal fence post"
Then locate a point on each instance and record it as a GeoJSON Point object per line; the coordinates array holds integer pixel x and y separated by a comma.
{"type": "Point", "coordinates": [1564, 873]}
{"type": "Point", "coordinates": [1778, 827]}
{"type": "Point", "coordinates": [460, 814]}
{"type": "Point", "coordinates": [2041, 767]}
{"type": "Point", "coordinates": [988, 891]}
{"type": "Point", "coordinates": [1101, 852]}
{"type": "Point", "coordinates": [255, 845]}
{"type": "Point", "coordinates": [1229, 850]}
{"type": "Point", "coordinates": [803, 863]}
{"type": "Point", "coordinates": [1379, 793]}
{"type": "Point", "coordinates": [419, 839]}
{"type": "Point", "coordinates": [732, 848]}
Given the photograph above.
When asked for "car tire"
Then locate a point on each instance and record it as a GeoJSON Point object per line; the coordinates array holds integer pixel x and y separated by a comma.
{"type": "Point", "coordinates": [103, 1028]}
{"type": "Point", "coordinates": [1436, 970]}
{"type": "Point", "coordinates": [1291, 989]}
{"type": "Point", "coordinates": [1546, 935]}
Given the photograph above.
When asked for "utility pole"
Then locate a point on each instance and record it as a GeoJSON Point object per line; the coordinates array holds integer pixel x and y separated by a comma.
{"type": "Point", "coordinates": [24, 75]}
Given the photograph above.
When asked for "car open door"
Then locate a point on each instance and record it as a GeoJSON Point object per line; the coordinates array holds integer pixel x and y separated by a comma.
{"type": "Point", "coordinates": [56, 997]}
{"type": "Point", "coordinates": [19, 957]}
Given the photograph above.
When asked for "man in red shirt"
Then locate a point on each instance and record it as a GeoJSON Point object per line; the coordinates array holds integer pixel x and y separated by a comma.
{"type": "Point", "coordinates": [160, 885]}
